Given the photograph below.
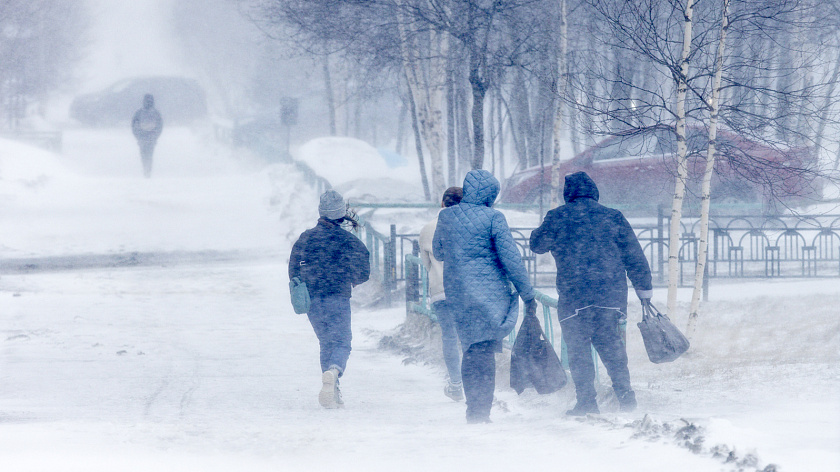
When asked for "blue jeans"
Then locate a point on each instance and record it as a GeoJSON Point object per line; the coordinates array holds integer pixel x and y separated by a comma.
{"type": "Point", "coordinates": [449, 339]}
{"type": "Point", "coordinates": [330, 318]}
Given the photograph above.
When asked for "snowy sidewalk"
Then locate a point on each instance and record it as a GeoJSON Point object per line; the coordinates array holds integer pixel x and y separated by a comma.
{"type": "Point", "coordinates": [202, 365]}
{"type": "Point", "coordinates": [204, 368]}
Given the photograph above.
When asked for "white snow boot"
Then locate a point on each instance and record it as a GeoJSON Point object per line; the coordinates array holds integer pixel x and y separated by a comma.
{"type": "Point", "coordinates": [328, 397]}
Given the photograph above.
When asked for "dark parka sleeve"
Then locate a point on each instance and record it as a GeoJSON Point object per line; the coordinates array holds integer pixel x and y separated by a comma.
{"type": "Point", "coordinates": [633, 257]}
{"type": "Point", "coordinates": [297, 256]}
{"type": "Point", "coordinates": [135, 124]}
{"type": "Point", "coordinates": [357, 261]}
{"type": "Point", "coordinates": [542, 238]}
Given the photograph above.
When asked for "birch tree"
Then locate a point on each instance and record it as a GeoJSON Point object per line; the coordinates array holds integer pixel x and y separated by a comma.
{"type": "Point", "coordinates": [418, 143]}
{"type": "Point", "coordinates": [427, 89]}
{"type": "Point", "coordinates": [41, 42]}
{"type": "Point", "coordinates": [706, 186]}
{"type": "Point", "coordinates": [492, 34]}
{"type": "Point", "coordinates": [682, 160]}
{"type": "Point", "coordinates": [671, 90]}
{"type": "Point", "coordinates": [560, 88]}
{"type": "Point", "coordinates": [830, 99]}
{"type": "Point", "coordinates": [827, 105]}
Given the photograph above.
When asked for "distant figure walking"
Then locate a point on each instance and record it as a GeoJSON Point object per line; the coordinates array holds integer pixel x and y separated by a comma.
{"type": "Point", "coordinates": [449, 336]}
{"type": "Point", "coordinates": [331, 261]}
{"type": "Point", "coordinates": [480, 262]}
{"type": "Point", "coordinates": [595, 251]}
{"type": "Point", "coordinates": [147, 126]}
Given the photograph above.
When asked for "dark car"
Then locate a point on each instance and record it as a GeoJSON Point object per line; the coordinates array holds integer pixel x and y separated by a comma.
{"type": "Point", "coordinates": [180, 101]}
{"type": "Point", "coordinates": [638, 171]}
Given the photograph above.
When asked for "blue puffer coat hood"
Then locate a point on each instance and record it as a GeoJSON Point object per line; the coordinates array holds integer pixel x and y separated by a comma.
{"type": "Point", "coordinates": [579, 185]}
{"type": "Point", "coordinates": [480, 188]}
{"type": "Point", "coordinates": [480, 262]}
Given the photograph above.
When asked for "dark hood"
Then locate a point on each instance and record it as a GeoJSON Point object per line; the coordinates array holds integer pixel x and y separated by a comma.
{"type": "Point", "coordinates": [480, 188]}
{"type": "Point", "coordinates": [579, 185]}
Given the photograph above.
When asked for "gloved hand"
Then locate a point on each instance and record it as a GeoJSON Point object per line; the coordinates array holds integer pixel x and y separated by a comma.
{"type": "Point", "coordinates": [644, 296]}
{"type": "Point", "coordinates": [531, 307]}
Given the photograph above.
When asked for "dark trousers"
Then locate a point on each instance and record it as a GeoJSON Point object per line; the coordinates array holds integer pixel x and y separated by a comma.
{"type": "Point", "coordinates": [597, 327]}
{"type": "Point", "coordinates": [330, 318]}
{"type": "Point", "coordinates": [478, 371]}
{"type": "Point", "coordinates": [147, 149]}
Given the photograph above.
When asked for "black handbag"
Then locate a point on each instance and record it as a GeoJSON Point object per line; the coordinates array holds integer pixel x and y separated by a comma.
{"type": "Point", "coordinates": [663, 341]}
{"type": "Point", "coordinates": [533, 361]}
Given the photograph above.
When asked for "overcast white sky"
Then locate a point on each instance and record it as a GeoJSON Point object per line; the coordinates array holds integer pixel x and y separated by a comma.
{"type": "Point", "coordinates": [129, 38]}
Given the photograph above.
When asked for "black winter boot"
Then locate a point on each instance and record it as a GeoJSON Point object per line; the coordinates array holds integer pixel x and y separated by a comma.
{"type": "Point", "coordinates": [627, 402]}
{"type": "Point", "coordinates": [583, 409]}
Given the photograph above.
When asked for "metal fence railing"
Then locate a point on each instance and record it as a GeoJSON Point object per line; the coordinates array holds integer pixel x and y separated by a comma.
{"type": "Point", "coordinates": [749, 246]}
{"type": "Point", "coordinates": [383, 256]}
{"type": "Point", "coordinates": [387, 255]}
{"type": "Point", "coordinates": [417, 300]}
{"type": "Point", "coordinates": [739, 247]}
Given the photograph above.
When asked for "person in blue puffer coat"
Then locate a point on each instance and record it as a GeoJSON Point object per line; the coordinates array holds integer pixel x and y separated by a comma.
{"type": "Point", "coordinates": [480, 262]}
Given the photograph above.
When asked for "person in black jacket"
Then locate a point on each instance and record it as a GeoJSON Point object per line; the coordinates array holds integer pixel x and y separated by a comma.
{"type": "Point", "coordinates": [330, 260]}
{"type": "Point", "coordinates": [595, 251]}
{"type": "Point", "coordinates": [147, 126]}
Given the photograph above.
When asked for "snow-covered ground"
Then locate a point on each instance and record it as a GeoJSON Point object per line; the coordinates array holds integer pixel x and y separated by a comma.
{"type": "Point", "coordinates": [200, 363]}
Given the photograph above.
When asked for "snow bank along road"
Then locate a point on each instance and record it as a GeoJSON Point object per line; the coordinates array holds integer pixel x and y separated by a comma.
{"type": "Point", "coordinates": [202, 365]}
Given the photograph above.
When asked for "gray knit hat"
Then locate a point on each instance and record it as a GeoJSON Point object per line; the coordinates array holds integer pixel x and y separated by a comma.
{"type": "Point", "coordinates": [332, 205]}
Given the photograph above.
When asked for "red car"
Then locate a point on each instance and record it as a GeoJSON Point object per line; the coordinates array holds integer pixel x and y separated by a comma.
{"type": "Point", "coordinates": [638, 171]}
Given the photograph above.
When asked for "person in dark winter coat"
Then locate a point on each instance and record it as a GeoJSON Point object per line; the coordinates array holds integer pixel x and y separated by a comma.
{"type": "Point", "coordinates": [595, 251]}
{"type": "Point", "coordinates": [331, 261]}
{"type": "Point", "coordinates": [480, 261]}
{"type": "Point", "coordinates": [147, 126]}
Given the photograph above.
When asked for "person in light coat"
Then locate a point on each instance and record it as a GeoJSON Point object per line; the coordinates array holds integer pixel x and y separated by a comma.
{"type": "Point", "coordinates": [480, 262]}
{"type": "Point", "coordinates": [448, 334]}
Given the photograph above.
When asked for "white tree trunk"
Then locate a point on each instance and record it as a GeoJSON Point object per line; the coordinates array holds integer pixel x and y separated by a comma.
{"type": "Point", "coordinates": [428, 92]}
{"type": "Point", "coordinates": [330, 97]}
{"type": "Point", "coordinates": [555, 184]}
{"type": "Point", "coordinates": [501, 134]}
{"type": "Point", "coordinates": [682, 164]}
{"type": "Point", "coordinates": [433, 131]}
{"type": "Point", "coordinates": [702, 251]}
{"type": "Point", "coordinates": [826, 109]}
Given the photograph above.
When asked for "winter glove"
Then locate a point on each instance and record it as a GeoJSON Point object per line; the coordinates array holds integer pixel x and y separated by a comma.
{"type": "Point", "coordinates": [531, 307]}
{"type": "Point", "coordinates": [644, 295]}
